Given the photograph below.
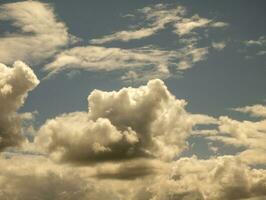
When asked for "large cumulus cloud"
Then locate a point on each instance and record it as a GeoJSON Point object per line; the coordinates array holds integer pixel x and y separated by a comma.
{"type": "Point", "coordinates": [15, 83]}
{"type": "Point", "coordinates": [144, 122]}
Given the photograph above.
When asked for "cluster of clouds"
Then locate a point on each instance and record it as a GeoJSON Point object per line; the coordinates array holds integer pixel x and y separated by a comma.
{"type": "Point", "coordinates": [259, 45]}
{"type": "Point", "coordinates": [222, 178]}
{"type": "Point", "coordinates": [145, 62]}
{"type": "Point", "coordinates": [40, 37]}
{"type": "Point", "coordinates": [128, 144]}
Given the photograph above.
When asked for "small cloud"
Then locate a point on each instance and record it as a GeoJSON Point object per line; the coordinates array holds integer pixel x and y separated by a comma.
{"type": "Point", "coordinates": [218, 45]}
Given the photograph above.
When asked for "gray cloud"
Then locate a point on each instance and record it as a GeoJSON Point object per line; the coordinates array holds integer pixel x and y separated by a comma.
{"type": "Point", "coordinates": [15, 83]}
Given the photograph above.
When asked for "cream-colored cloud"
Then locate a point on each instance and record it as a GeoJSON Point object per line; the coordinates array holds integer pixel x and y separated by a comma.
{"type": "Point", "coordinates": [222, 178]}
{"type": "Point", "coordinates": [144, 122]}
{"type": "Point", "coordinates": [15, 83]}
{"type": "Point", "coordinates": [40, 34]}
{"type": "Point", "coordinates": [145, 63]}
{"type": "Point", "coordinates": [247, 134]}
{"type": "Point", "coordinates": [35, 177]}
{"type": "Point", "coordinates": [257, 110]}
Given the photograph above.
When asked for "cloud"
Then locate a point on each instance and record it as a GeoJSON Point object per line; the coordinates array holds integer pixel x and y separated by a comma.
{"type": "Point", "coordinates": [31, 178]}
{"type": "Point", "coordinates": [213, 179]}
{"type": "Point", "coordinates": [131, 170]}
{"type": "Point", "coordinates": [218, 45]}
{"type": "Point", "coordinates": [259, 45]}
{"type": "Point", "coordinates": [157, 18]}
{"type": "Point", "coordinates": [144, 122]}
{"type": "Point", "coordinates": [261, 41]}
{"type": "Point", "coordinates": [39, 35]}
{"type": "Point", "coordinates": [15, 83]}
{"type": "Point", "coordinates": [221, 178]}
{"type": "Point", "coordinates": [247, 134]}
{"type": "Point", "coordinates": [255, 110]}
{"type": "Point", "coordinates": [144, 63]}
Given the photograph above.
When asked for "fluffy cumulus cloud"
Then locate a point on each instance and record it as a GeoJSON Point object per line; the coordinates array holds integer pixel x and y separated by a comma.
{"type": "Point", "coordinates": [39, 33]}
{"type": "Point", "coordinates": [15, 83]}
{"type": "Point", "coordinates": [145, 122]}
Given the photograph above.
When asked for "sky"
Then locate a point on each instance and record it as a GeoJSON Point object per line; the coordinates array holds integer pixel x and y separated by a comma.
{"type": "Point", "coordinates": [135, 100]}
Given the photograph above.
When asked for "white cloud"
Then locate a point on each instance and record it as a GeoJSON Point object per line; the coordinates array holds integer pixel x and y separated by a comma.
{"type": "Point", "coordinates": [155, 62]}
{"type": "Point", "coordinates": [157, 18]}
{"type": "Point", "coordinates": [15, 83]}
{"type": "Point", "coordinates": [40, 34]}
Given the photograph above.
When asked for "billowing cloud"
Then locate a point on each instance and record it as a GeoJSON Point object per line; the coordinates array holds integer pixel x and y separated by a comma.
{"type": "Point", "coordinates": [39, 34]}
{"type": "Point", "coordinates": [145, 122]}
{"type": "Point", "coordinates": [158, 17]}
{"type": "Point", "coordinates": [15, 83]}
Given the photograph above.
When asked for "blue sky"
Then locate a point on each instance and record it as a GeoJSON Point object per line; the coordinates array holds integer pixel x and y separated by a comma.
{"type": "Point", "coordinates": [224, 80]}
{"type": "Point", "coordinates": [171, 83]}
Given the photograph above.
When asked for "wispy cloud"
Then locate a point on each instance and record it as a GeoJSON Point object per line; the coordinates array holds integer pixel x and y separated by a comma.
{"type": "Point", "coordinates": [148, 58]}
{"type": "Point", "coordinates": [157, 18]}
{"type": "Point", "coordinates": [40, 34]}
